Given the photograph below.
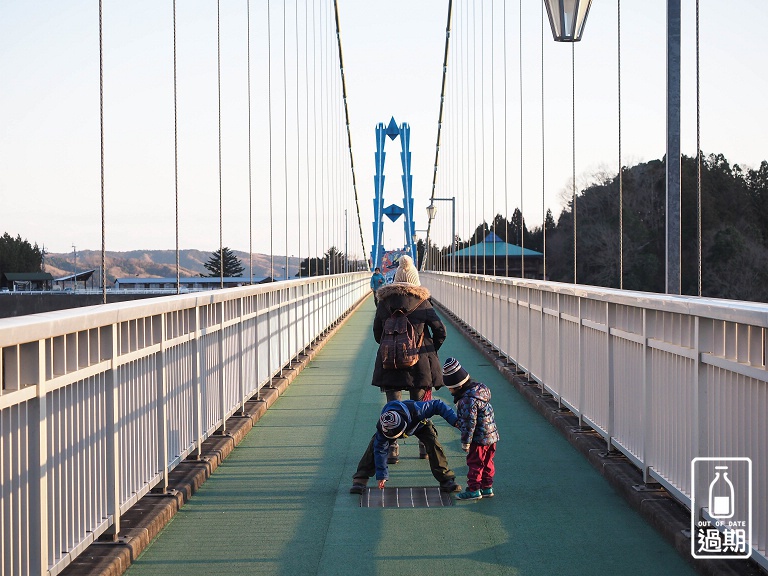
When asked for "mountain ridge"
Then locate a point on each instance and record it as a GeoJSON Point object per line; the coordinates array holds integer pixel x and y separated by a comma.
{"type": "Point", "coordinates": [160, 263]}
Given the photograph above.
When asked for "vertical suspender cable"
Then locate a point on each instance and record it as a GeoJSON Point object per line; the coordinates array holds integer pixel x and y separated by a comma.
{"type": "Point", "coordinates": [698, 148]}
{"type": "Point", "coordinates": [250, 156]}
{"type": "Point", "coordinates": [346, 119]}
{"type": "Point", "coordinates": [474, 126]}
{"type": "Point", "coordinates": [543, 153]}
{"type": "Point", "coordinates": [285, 136]}
{"type": "Point", "coordinates": [269, 114]}
{"type": "Point", "coordinates": [323, 87]}
{"type": "Point", "coordinates": [621, 175]}
{"type": "Point", "coordinates": [221, 204]}
{"type": "Point", "coordinates": [482, 126]}
{"type": "Point", "coordinates": [520, 70]}
{"type": "Point", "coordinates": [298, 145]}
{"type": "Point", "coordinates": [493, 140]}
{"type": "Point", "coordinates": [314, 127]}
{"type": "Point", "coordinates": [573, 121]}
{"type": "Point", "coordinates": [306, 85]}
{"type": "Point", "coordinates": [506, 168]}
{"type": "Point", "coordinates": [101, 129]}
{"type": "Point", "coordinates": [176, 151]}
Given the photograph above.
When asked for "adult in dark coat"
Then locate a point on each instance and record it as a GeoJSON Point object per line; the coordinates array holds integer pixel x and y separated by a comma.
{"type": "Point", "coordinates": [428, 371]}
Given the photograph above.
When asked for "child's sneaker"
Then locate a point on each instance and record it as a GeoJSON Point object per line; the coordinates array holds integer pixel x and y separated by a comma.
{"type": "Point", "coordinates": [394, 453]}
{"type": "Point", "coordinates": [487, 492]}
{"type": "Point", "coordinates": [469, 495]}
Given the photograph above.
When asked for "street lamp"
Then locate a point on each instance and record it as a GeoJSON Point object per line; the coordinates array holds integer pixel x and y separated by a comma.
{"type": "Point", "coordinates": [432, 212]}
{"type": "Point", "coordinates": [567, 18]}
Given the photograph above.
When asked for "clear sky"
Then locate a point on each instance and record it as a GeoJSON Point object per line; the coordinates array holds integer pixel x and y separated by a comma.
{"type": "Point", "coordinates": [393, 51]}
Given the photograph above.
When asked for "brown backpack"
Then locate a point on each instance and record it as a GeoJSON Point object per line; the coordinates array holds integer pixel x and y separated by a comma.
{"type": "Point", "coordinates": [399, 343]}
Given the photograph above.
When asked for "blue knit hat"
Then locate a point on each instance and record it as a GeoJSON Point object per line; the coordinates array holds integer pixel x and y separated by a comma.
{"type": "Point", "coordinates": [391, 424]}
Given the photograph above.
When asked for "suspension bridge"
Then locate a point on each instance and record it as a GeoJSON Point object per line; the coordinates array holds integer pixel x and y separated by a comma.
{"type": "Point", "coordinates": [217, 432]}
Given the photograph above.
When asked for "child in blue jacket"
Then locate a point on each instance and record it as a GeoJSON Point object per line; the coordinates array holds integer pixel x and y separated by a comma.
{"type": "Point", "coordinates": [479, 434]}
{"type": "Point", "coordinates": [400, 418]}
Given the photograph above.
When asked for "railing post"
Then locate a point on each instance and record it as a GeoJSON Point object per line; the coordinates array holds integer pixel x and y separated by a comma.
{"type": "Point", "coordinates": [610, 321]}
{"type": "Point", "coordinates": [703, 334]}
{"type": "Point", "coordinates": [648, 399]}
{"type": "Point", "coordinates": [241, 356]}
{"type": "Point", "coordinates": [38, 471]}
{"type": "Point", "coordinates": [222, 372]}
{"type": "Point", "coordinates": [582, 392]}
{"type": "Point", "coordinates": [162, 407]}
{"type": "Point", "coordinates": [114, 481]}
{"type": "Point", "coordinates": [197, 413]}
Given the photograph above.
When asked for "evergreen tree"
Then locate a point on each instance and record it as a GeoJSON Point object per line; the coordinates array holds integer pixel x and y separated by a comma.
{"type": "Point", "coordinates": [17, 255]}
{"type": "Point", "coordinates": [232, 266]}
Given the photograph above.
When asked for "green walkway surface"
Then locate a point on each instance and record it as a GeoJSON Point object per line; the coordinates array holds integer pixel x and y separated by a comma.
{"type": "Point", "coordinates": [280, 503]}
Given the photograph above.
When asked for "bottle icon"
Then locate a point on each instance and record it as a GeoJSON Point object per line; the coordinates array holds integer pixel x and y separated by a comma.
{"type": "Point", "coordinates": [721, 496]}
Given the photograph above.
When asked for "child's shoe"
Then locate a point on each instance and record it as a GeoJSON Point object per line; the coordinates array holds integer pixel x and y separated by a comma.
{"type": "Point", "coordinates": [487, 492]}
{"type": "Point", "coordinates": [358, 486]}
{"type": "Point", "coordinates": [394, 453]}
{"type": "Point", "coordinates": [469, 495]}
{"type": "Point", "coordinates": [422, 450]}
{"type": "Point", "coordinates": [450, 486]}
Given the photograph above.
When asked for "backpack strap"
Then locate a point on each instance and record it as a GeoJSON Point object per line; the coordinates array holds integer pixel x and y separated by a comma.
{"type": "Point", "coordinates": [406, 313]}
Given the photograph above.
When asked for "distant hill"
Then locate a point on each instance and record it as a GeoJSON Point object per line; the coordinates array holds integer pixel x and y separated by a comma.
{"type": "Point", "coordinates": [159, 263]}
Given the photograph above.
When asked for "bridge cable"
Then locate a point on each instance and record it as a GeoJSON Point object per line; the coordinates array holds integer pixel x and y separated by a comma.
{"type": "Point", "coordinates": [482, 124]}
{"type": "Point", "coordinates": [101, 129]}
{"type": "Point", "coordinates": [176, 150]}
{"type": "Point", "coordinates": [285, 139]}
{"type": "Point", "coordinates": [440, 121]}
{"type": "Point", "coordinates": [314, 128]}
{"type": "Point", "coordinates": [250, 155]}
{"type": "Point", "coordinates": [621, 175]}
{"type": "Point", "coordinates": [493, 140]}
{"type": "Point", "coordinates": [474, 124]}
{"type": "Point", "coordinates": [269, 106]}
{"type": "Point", "coordinates": [306, 141]}
{"type": "Point", "coordinates": [573, 120]}
{"type": "Point", "coordinates": [298, 145]}
{"type": "Point", "coordinates": [506, 163]}
{"type": "Point", "coordinates": [698, 148]}
{"type": "Point", "coordinates": [221, 204]}
{"type": "Point", "coordinates": [520, 70]}
{"type": "Point", "coordinates": [543, 158]}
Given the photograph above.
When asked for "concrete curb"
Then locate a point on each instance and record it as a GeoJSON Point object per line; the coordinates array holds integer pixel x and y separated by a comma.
{"type": "Point", "coordinates": [656, 505]}
{"type": "Point", "coordinates": [150, 515]}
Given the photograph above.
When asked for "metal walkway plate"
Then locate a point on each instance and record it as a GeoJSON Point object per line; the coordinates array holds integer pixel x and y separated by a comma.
{"type": "Point", "coordinates": [417, 497]}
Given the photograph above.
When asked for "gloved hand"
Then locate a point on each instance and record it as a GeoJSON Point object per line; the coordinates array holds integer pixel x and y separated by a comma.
{"type": "Point", "coordinates": [381, 484]}
{"type": "Point", "coordinates": [465, 447]}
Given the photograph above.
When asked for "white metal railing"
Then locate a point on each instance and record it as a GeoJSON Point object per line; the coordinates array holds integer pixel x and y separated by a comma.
{"type": "Point", "coordinates": [663, 379]}
{"type": "Point", "coordinates": [99, 404]}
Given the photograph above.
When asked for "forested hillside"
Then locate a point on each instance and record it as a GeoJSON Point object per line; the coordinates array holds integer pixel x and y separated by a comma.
{"type": "Point", "coordinates": [734, 215]}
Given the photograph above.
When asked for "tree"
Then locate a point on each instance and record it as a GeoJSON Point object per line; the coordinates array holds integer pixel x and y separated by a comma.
{"type": "Point", "coordinates": [232, 266]}
{"type": "Point", "coordinates": [17, 255]}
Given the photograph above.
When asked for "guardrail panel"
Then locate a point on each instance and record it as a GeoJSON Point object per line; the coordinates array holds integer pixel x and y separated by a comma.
{"type": "Point", "coordinates": [670, 378]}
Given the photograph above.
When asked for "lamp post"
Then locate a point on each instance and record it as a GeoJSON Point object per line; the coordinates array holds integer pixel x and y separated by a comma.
{"type": "Point", "coordinates": [567, 19]}
{"type": "Point", "coordinates": [432, 212]}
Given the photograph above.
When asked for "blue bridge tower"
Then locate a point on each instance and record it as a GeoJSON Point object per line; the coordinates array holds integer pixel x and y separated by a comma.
{"type": "Point", "coordinates": [393, 211]}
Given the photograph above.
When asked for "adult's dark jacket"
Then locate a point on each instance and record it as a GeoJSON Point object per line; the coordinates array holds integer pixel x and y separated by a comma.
{"type": "Point", "coordinates": [428, 371]}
